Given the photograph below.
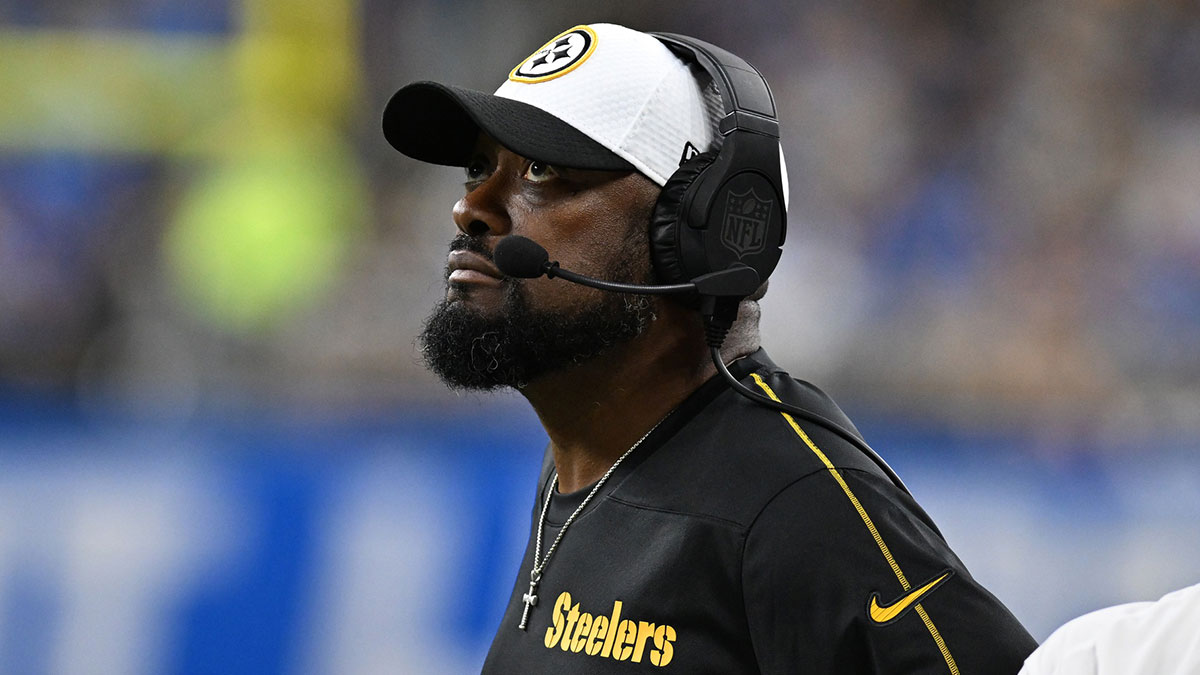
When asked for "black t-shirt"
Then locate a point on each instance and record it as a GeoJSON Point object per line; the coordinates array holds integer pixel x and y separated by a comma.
{"type": "Point", "coordinates": [738, 540]}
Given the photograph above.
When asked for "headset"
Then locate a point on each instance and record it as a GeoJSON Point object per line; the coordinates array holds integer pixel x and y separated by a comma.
{"type": "Point", "coordinates": [717, 229]}
{"type": "Point", "coordinates": [726, 207]}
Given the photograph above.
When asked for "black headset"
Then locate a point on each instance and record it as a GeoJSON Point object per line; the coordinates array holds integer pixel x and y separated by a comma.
{"type": "Point", "coordinates": [723, 207]}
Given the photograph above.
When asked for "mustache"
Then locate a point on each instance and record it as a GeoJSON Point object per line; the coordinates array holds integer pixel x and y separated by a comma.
{"type": "Point", "coordinates": [466, 242]}
{"type": "Point", "coordinates": [475, 244]}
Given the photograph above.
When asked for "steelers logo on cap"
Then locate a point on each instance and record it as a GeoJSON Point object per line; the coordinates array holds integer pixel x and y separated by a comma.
{"type": "Point", "coordinates": [566, 52]}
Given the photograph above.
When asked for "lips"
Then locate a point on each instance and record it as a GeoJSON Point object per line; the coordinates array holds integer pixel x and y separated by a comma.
{"type": "Point", "coordinates": [469, 267]}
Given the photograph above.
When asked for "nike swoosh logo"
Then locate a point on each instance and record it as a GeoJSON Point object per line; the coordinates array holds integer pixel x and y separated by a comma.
{"type": "Point", "coordinates": [882, 614]}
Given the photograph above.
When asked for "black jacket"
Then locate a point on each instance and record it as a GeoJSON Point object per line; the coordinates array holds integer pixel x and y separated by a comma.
{"type": "Point", "coordinates": [736, 539]}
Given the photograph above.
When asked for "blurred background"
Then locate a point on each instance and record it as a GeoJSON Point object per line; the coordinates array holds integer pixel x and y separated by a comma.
{"type": "Point", "coordinates": [219, 451]}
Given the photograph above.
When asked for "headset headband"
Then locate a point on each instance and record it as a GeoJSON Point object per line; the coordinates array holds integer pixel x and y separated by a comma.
{"type": "Point", "coordinates": [745, 95]}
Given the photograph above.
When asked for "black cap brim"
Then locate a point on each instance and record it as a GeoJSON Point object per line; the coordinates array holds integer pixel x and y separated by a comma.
{"type": "Point", "coordinates": [440, 124]}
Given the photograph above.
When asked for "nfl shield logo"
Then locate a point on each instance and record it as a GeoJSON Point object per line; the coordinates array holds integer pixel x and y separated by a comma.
{"type": "Point", "coordinates": [746, 216]}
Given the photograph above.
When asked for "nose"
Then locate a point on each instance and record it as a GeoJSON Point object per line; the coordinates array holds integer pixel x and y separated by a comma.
{"type": "Point", "coordinates": [482, 210]}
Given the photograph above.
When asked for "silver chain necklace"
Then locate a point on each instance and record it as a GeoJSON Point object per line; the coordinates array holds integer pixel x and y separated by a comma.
{"type": "Point", "coordinates": [535, 574]}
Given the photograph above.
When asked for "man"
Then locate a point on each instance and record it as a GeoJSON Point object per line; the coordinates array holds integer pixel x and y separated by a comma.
{"type": "Point", "coordinates": [678, 524]}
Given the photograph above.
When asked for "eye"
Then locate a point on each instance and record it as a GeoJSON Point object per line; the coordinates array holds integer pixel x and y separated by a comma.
{"type": "Point", "coordinates": [476, 170]}
{"type": "Point", "coordinates": [540, 172]}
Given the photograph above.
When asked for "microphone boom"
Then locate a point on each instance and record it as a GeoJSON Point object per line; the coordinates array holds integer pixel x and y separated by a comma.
{"type": "Point", "coordinates": [555, 271]}
{"type": "Point", "coordinates": [524, 258]}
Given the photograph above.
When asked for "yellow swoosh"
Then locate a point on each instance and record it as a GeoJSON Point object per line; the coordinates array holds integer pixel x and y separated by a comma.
{"type": "Point", "coordinates": [886, 613]}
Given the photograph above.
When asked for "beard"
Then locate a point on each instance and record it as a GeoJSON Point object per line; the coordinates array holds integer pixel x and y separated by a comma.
{"type": "Point", "coordinates": [470, 350]}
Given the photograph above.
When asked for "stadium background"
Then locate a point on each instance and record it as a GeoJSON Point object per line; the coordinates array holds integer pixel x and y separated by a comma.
{"type": "Point", "coordinates": [219, 452]}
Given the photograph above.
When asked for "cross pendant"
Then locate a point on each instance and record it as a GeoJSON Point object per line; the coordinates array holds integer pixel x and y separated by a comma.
{"type": "Point", "coordinates": [530, 599]}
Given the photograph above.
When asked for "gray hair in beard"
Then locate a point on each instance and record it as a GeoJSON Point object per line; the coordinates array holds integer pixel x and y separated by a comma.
{"type": "Point", "coordinates": [517, 345]}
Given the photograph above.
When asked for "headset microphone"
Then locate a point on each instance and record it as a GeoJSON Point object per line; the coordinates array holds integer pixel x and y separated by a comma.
{"type": "Point", "coordinates": [521, 257]}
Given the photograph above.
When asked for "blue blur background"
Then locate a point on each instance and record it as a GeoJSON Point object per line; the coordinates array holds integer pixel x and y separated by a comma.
{"type": "Point", "coordinates": [219, 452]}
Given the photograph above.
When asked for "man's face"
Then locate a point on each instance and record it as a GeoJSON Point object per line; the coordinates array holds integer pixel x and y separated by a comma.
{"type": "Point", "coordinates": [492, 331]}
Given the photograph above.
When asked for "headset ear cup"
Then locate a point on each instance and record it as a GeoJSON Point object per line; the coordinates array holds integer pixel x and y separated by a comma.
{"type": "Point", "coordinates": [668, 216]}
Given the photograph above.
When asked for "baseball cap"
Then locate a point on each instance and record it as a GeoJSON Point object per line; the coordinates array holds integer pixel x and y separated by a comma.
{"type": "Point", "coordinates": [597, 96]}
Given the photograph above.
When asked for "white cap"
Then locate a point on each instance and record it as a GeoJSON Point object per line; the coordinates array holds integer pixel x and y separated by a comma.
{"type": "Point", "coordinates": [623, 89]}
{"type": "Point", "coordinates": [599, 96]}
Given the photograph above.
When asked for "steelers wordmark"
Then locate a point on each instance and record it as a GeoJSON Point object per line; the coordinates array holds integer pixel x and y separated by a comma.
{"type": "Point", "coordinates": [557, 57]}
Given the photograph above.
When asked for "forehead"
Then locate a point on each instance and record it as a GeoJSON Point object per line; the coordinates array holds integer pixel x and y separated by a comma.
{"type": "Point", "coordinates": [486, 145]}
{"type": "Point", "coordinates": [601, 194]}
{"type": "Point", "coordinates": [492, 150]}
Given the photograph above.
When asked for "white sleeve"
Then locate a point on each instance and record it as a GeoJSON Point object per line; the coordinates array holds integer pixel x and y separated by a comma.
{"type": "Point", "coordinates": [1160, 637]}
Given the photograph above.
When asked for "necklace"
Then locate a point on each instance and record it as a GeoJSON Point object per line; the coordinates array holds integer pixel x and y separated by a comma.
{"type": "Point", "coordinates": [535, 574]}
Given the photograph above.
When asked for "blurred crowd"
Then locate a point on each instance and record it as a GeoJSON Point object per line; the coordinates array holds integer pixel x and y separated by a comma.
{"type": "Point", "coordinates": [994, 219]}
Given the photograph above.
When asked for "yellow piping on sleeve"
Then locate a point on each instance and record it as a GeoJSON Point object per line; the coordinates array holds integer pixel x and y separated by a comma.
{"type": "Point", "coordinates": [862, 513]}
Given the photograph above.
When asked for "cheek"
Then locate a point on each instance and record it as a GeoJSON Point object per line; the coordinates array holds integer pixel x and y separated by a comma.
{"type": "Point", "coordinates": [559, 295]}
{"type": "Point", "coordinates": [602, 234]}
{"type": "Point", "coordinates": [607, 244]}
{"type": "Point", "coordinates": [587, 253]}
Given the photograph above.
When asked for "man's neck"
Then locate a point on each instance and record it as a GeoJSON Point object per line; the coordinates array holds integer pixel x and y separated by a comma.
{"type": "Point", "coordinates": [596, 411]}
